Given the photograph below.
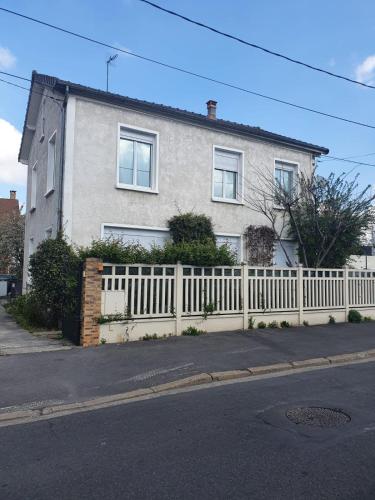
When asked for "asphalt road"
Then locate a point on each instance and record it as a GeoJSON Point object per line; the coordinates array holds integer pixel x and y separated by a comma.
{"type": "Point", "coordinates": [232, 441]}
{"type": "Point", "coordinates": [76, 374]}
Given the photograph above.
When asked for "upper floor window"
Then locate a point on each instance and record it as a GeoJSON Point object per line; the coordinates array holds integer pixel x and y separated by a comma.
{"type": "Point", "coordinates": [285, 176]}
{"type": "Point", "coordinates": [227, 172]}
{"type": "Point", "coordinates": [137, 159]}
{"type": "Point", "coordinates": [34, 178]}
{"type": "Point", "coordinates": [51, 164]}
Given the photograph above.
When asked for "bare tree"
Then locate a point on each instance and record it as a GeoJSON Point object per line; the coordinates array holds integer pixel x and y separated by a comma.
{"type": "Point", "coordinates": [326, 216]}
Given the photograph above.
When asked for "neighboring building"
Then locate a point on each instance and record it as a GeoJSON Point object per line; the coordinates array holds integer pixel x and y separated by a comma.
{"type": "Point", "coordinates": [7, 207]}
{"type": "Point", "coordinates": [101, 164]}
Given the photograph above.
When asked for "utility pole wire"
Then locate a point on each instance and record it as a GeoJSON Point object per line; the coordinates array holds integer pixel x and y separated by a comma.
{"type": "Point", "coordinates": [255, 46]}
{"type": "Point", "coordinates": [191, 73]}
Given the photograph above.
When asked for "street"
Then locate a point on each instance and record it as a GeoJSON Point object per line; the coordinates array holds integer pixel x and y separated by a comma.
{"type": "Point", "coordinates": [231, 441]}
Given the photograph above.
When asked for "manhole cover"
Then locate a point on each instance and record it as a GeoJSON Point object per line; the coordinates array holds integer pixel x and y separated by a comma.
{"type": "Point", "coordinates": [318, 417]}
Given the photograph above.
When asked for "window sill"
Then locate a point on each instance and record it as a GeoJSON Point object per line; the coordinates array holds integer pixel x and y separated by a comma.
{"type": "Point", "coordinates": [227, 200]}
{"type": "Point", "coordinates": [141, 189]}
{"type": "Point", "coordinates": [49, 192]}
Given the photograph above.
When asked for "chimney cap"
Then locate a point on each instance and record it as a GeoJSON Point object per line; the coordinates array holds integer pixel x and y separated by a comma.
{"type": "Point", "coordinates": [211, 109]}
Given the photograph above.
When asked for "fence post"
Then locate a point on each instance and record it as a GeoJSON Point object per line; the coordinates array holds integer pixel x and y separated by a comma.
{"type": "Point", "coordinates": [178, 297]}
{"type": "Point", "coordinates": [346, 291]}
{"type": "Point", "coordinates": [91, 301]}
{"type": "Point", "coordinates": [245, 295]}
{"type": "Point", "coordinates": [300, 293]}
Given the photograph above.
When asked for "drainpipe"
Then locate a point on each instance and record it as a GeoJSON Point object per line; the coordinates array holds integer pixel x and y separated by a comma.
{"type": "Point", "coordinates": [60, 227]}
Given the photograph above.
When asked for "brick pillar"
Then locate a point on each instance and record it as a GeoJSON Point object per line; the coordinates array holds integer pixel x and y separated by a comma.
{"type": "Point", "coordinates": [91, 301]}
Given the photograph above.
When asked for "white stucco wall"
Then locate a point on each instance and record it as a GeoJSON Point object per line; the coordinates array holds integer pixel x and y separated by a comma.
{"type": "Point", "coordinates": [184, 172]}
{"type": "Point", "coordinates": [45, 215]}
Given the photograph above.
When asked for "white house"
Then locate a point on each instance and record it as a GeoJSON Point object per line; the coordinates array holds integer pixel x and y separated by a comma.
{"type": "Point", "coordinates": [101, 164]}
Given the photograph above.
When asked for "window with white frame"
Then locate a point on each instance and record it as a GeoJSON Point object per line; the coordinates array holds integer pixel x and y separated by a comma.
{"type": "Point", "coordinates": [34, 179]}
{"type": "Point", "coordinates": [51, 164]}
{"type": "Point", "coordinates": [227, 170]}
{"type": "Point", "coordinates": [137, 159]}
{"type": "Point", "coordinates": [285, 176]}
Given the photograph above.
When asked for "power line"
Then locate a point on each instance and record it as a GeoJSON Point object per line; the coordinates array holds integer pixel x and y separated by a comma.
{"type": "Point", "coordinates": [15, 76]}
{"type": "Point", "coordinates": [29, 90]}
{"type": "Point", "coordinates": [350, 161]}
{"type": "Point", "coordinates": [187, 72]}
{"type": "Point", "coordinates": [350, 157]}
{"type": "Point", "coordinates": [255, 46]}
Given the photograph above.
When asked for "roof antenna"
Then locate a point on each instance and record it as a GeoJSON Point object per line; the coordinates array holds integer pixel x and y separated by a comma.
{"type": "Point", "coordinates": [110, 59]}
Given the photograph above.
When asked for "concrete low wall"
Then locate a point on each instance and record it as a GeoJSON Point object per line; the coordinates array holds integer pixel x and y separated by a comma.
{"type": "Point", "coordinates": [119, 332]}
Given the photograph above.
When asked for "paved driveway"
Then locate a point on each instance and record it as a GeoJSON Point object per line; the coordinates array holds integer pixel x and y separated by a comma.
{"type": "Point", "coordinates": [16, 340]}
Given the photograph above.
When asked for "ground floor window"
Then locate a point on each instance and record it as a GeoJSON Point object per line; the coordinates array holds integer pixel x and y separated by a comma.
{"type": "Point", "coordinates": [279, 254]}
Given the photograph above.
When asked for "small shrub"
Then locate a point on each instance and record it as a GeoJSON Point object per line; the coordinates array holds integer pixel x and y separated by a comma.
{"type": "Point", "coordinates": [190, 227]}
{"type": "Point", "coordinates": [103, 341]}
{"type": "Point", "coordinates": [354, 316]}
{"type": "Point", "coordinates": [150, 337]}
{"type": "Point", "coordinates": [331, 320]}
{"type": "Point", "coordinates": [273, 324]}
{"type": "Point", "coordinates": [306, 323]}
{"type": "Point", "coordinates": [27, 311]}
{"type": "Point", "coordinates": [108, 318]}
{"type": "Point", "coordinates": [193, 331]}
{"type": "Point", "coordinates": [285, 324]}
{"type": "Point", "coordinates": [208, 309]}
{"type": "Point", "coordinates": [367, 319]}
{"type": "Point", "coordinates": [251, 323]}
{"type": "Point", "coordinates": [262, 324]}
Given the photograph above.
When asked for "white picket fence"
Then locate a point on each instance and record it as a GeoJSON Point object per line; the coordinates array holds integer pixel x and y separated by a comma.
{"type": "Point", "coordinates": [177, 291]}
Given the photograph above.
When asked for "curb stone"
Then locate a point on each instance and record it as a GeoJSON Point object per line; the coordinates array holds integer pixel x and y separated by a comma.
{"type": "Point", "coordinates": [278, 367]}
{"type": "Point", "coordinates": [198, 379]}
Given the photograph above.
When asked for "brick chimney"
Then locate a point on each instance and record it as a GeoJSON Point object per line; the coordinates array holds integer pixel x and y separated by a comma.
{"type": "Point", "coordinates": [211, 110]}
{"type": "Point", "coordinates": [12, 195]}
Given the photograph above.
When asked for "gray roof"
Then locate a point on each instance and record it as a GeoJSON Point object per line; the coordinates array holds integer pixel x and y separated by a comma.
{"type": "Point", "coordinates": [64, 86]}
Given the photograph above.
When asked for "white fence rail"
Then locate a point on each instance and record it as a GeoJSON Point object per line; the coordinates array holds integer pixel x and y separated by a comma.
{"type": "Point", "coordinates": [161, 291]}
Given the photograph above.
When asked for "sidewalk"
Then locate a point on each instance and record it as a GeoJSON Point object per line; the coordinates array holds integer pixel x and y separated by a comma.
{"type": "Point", "coordinates": [16, 340]}
{"type": "Point", "coordinates": [31, 380]}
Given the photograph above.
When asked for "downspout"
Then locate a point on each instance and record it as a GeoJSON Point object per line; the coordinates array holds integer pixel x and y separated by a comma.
{"type": "Point", "coordinates": [60, 215]}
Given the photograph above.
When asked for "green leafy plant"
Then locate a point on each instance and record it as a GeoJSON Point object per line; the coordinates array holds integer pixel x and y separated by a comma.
{"type": "Point", "coordinates": [262, 324]}
{"type": "Point", "coordinates": [354, 316]}
{"type": "Point", "coordinates": [27, 311]}
{"type": "Point", "coordinates": [285, 324]}
{"type": "Point", "coordinates": [251, 323]}
{"type": "Point", "coordinates": [150, 337]}
{"type": "Point", "coordinates": [103, 341]}
{"type": "Point", "coordinates": [54, 270]}
{"type": "Point", "coordinates": [306, 323]}
{"type": "Point", "coordinates": [109, 318]}
{"type": "Point", "coordinates": [331, 320]}
{"type": "Point", "coordinates": [367, 319]}
{"type": "Point", "coordinates": [273, 324]}
{"type": "Point", "coordinates": [192, 331]}
{"type": "Point", "coordinates": [189, 227]}
{"type": "Point", "coordinates": [209, 308]}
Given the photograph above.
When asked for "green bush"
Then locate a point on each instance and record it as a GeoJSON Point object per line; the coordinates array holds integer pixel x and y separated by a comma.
{"type": "Point", "coordinates": [285, 324]}
{"type": "Point", "coordinates": [192, 331]}
{"type": "Point", "coordinates": [150, 337]}
{"type": "Point", "coordinates": [27, 311]}
{"type": "Point", "coordinates": [367, 319]}
{"type": "Point", "coordinates": [354, 316]}
{"type": "Point", "coordinates": [251, 322]}
{"type": "Point", "coordinates": [54, 271]}
{"type": "Point", "coordinates": [273, 324]}
{"type": "Point", "coordinates": [191, 227]}
{"type": "Point", "coordinates": [196, 253]}
{"type": "Point", "coordinates": [262, 324]}
{"type": "Point", "coordinates": [306, 323]}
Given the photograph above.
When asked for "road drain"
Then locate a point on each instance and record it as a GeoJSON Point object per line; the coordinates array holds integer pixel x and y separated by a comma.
{"type": "Point", "coordinates": [317, 417]}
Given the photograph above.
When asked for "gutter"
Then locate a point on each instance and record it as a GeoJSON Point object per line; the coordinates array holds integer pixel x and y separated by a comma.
{"type": "Point", "coordinates": [60, 214]}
